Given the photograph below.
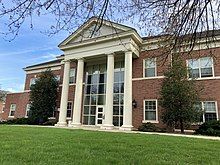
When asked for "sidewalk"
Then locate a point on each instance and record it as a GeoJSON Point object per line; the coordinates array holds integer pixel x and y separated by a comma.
{"type": "Point", "coordinates": [91, 128]}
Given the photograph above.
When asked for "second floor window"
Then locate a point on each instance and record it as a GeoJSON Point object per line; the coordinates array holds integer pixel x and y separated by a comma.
{"type": "Point", "coordinates": [32, 81]}
{"type": "Point", "coordinates": [150, 67]}
{"type": "Point", "coordinates": [72, 76]}
{"type": "Point", "coordinates": [199, 68]}
{"type": "Point", "coordinates": [12, 110]}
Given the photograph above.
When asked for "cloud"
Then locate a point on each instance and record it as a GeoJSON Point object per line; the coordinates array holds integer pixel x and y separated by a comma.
{"type": "Point", "coordinates": [8, 79]}
{"type": "Point", "coordinates": [15, 88]}
{"type": "Point", "coordinates": [37, 49]}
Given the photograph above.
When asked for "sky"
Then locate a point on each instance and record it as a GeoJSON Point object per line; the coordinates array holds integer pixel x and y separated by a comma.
{"type": "Point", "coordinates": [30, 47]}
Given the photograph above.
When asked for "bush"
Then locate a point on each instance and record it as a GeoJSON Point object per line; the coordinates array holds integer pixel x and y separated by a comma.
{"type": "Point", "coordinates": [148, 127]}
{"type": "Point", "coordinates": [17, 121]}
{"type": "Point", "coordinates": [50, 122]}
{"type": "Point", "coordinates": [210, 128]}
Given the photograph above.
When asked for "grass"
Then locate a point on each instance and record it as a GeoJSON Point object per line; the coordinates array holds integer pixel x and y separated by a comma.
{"type": "Point", "coordinates": [37, 145]}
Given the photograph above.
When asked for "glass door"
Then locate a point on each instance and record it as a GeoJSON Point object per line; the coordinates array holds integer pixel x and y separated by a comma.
{"type": "Point", "coordinates": [99, 115]}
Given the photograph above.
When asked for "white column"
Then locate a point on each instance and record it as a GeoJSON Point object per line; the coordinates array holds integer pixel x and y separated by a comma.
{"type": "Point", "coordinates": [78, 94]}
{"type": "Point", "coordinates": [127, 117]}
{"type": "Point", "coordinates": [107, 123]}
{"type": "Point", "coordinates": [64, 95]}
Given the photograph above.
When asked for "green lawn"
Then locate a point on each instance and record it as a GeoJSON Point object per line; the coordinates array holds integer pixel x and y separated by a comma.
{"type": "Point", "coordinates": [34, 145]}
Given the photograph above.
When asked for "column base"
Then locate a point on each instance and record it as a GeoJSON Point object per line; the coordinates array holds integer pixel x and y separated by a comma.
{"type": "Point", "coordinates": [107, 126]}
{"type": "Point", "coordinates": [61, 124]}
{"type": "Point", "coordinates": [126, 128]}
{"type": "Point", "coordinates": [75, 125]}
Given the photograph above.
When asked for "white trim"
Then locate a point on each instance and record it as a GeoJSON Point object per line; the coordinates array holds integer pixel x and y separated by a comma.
{"type": "Point", "coordinates": [9, 115]}
{"type": "Point", "coordinates": [151, 121]}
{"type": "Point", "coordinates": [148, 78]}
{"type": "Point", "coordinates": [58, 64]}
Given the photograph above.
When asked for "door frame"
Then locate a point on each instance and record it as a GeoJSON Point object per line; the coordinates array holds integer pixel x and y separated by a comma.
{"type": "Point", "coordinates": [96, 119]}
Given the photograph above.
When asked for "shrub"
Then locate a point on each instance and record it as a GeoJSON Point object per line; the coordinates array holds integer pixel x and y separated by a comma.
{"type": "Point", "coordinates": [17, 121]}
{"type": "Point", "coordinates": [210, 128]}
{"type": "Point", "coordinates": [50, 122]}
{"type": "Point", "coordinates": [148, 127]}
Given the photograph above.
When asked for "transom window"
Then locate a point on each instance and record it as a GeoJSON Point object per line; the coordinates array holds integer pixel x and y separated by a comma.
{"type": "Point", "coordinates": [150, 67]}
{"type": "Point", "coordinates": [209, 111]}
{"type": "Point", "coordinates": [27, 110]}
{"type": "Point", "coordinates": [150, 110]}
{"type": "Point", "coordinates": [199, 68]}
{"type": "Point", "coordinates": [72, 78]}
{"type": "Point", "coordinates": [12, 110]}
{"type": "Point", "coordinates": [69, 109]}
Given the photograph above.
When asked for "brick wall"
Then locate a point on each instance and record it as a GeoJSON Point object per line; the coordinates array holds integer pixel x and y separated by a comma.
{"type": "Point", "coordinates": [21, 100]}
{"type": "Point", "coordinates": [143, 88]}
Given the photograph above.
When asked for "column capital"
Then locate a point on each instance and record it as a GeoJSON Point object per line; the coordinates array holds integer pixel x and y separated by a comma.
{"type": "Point", "coordinates": [128, 51]}
{"type": "Point", "coordinates": [80, 59]}
{"type": "Point", "coordinates": [65, 61]}
{"type": "Point", "coordinates": [110, 54]}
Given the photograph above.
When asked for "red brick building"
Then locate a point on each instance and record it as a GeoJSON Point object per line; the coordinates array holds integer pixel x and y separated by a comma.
{"type": "Point", "coordinates": [113, 79]}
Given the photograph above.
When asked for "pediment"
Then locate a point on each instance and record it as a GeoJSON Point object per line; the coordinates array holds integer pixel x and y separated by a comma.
{"type": "Point", "coordinates": [94, 28]}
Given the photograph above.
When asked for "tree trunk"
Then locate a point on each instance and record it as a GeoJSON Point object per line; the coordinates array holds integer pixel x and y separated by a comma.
{"type": "Point", "coordinates": [181, 126]}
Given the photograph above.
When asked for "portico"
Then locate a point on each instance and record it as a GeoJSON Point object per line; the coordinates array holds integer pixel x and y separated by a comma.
{"type": "Point", "coordinates": [106, 100]}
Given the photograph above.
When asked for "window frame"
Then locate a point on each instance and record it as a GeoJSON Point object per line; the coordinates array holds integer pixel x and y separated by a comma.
{"type": "Point", "coordinates": [10, 116]}
{"type": "Point", "coordinates": [34, 78]}
{"type": "Point", "coordinates": [213, 72]}
{"type": "Point", "coordinates": [144, 67]}
{"type": "Point", "coordinates": [27, 110]}
{"type": "Point", "coordinates": [151, 121]}
{"type": "Point", "coordinates": [203, 114]}
{"type": "Point", "coordinates": [74, 76]}
{"type": "Point", "coordinates": [68, 118]}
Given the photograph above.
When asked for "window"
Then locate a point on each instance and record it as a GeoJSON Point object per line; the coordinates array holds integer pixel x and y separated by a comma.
{"type": "Point", "coordinates": [199, 68]}
{"type": "Point", "coordinates": [32, 81]}
{"type": "Point", "coordinates": [150, 67]}
{"type": "Point", "coordinates": [94, 94]}
{"type": "Point", "coordinates": [209, 111]}
{"type": "Point", "coordinates": [150, 110]}
{"type": "Point", "coordinates": [57, 78]}
{"type": "Point", "coordinates": [27, 110]}
{"type": "Point", "coordinates": [72, 76]}
{"type": "Point", "coordinates": [12, 110]}
{"type": "Point", "coordinates": [3, 107]}
{"type": "Point", "coordinates": [69, 109]}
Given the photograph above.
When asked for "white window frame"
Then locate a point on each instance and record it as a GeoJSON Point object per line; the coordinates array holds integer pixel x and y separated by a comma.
{"type": "Point", "coordinates": [12, 110]}
{"type": "Point", "coordinates": [57, 77]}
{"type": "Point", "coordinates": [151, 121]}
{"type": "Point", "coordinates": [68, 118]}
{"type": "Point", "coordinates": [198, 78]}
{"type": "Point", "coordinates": [144, 68]}
{"type": "Point", "coordinates": [27, 110]}
{"type": "Point", "coordinates": [216, 110]}
{"type": "Point", "coordinates": [74, 80]}
{"type": "Point", "coordinates": [34, 78]}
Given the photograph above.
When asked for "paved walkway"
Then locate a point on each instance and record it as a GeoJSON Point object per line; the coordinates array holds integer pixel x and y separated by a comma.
{"type": "Point", "coordinates": [90, 128]}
